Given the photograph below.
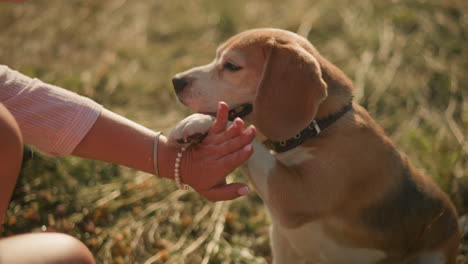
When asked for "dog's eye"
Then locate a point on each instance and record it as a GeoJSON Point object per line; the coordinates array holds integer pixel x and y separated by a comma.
{"type": "Point", "coordinates": [231, 67]}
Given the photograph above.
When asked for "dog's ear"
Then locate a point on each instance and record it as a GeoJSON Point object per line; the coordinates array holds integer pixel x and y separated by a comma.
{"type": "Point", "coordinates": [290, 91]}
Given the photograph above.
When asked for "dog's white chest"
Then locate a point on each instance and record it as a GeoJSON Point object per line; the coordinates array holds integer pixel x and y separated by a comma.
{"type": "Point", "coordinates": [312, 243]}
{"type": "Point", "coordinates": [296, 156]}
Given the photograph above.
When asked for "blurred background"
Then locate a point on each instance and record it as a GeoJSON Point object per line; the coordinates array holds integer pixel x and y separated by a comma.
{"type": "Point", "coordinates": [408, 60]}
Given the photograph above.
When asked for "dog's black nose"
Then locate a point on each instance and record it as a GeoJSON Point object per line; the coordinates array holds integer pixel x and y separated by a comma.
{"type": "Point", "coordinates": [179, 84]}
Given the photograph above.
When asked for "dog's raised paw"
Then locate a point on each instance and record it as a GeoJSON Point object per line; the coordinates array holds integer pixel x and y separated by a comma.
{"type": "Point", "coordinates": [191, 130]}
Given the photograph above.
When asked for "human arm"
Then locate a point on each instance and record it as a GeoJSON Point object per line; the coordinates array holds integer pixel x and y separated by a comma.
{"type": "Point", "coordinates": [118, 140]}
{"type": "Point", "coordinates": [59, 122]}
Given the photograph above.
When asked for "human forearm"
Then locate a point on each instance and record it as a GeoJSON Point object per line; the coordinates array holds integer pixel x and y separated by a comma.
{"type": "Point", "coordinates": [118, 140]}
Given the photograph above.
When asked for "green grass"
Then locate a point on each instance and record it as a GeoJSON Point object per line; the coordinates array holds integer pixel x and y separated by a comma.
{"type": "Point", "coordinates": [408, 61]}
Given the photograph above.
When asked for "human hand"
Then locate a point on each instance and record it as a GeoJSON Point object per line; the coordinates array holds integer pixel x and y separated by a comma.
{"type": "Point", "coordinates": [206, 165]}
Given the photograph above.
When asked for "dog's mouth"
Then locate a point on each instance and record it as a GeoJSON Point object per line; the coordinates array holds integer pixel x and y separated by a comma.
{"type": "Point", "coordinates": [240, 111]}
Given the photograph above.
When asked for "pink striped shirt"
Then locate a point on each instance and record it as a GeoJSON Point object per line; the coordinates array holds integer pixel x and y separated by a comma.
{"type": "Point", "coordinates": [50, 118]}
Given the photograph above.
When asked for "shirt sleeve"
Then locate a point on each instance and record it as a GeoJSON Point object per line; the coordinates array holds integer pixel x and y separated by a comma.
{"type": "Point", "coordinates": [50, 118]}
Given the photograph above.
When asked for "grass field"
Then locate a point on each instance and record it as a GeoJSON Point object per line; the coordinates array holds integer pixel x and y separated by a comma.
{"type": "Point", "coordinates": [408, 60]}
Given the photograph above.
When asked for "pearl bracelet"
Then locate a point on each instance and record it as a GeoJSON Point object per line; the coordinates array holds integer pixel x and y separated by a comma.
{"type": "Point", "coordinates": [177, 179]}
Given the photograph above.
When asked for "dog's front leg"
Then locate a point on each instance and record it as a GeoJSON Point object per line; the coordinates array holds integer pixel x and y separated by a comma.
{"type": "Point", "coordinates": [261, 166]}
{"type": "Point", "coordinates": [282, 251]}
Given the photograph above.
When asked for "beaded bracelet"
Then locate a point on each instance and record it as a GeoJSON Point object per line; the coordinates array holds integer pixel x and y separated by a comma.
{"type": "Point", "coordinates": [177, 179]}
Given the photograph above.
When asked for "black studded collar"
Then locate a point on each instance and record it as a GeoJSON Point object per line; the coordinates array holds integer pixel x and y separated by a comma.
{"type": "Point", "coordinates": [312, 130]}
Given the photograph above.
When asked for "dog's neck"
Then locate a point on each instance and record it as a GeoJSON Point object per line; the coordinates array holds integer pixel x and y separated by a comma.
{"type": "Point", "coordinates": [337, 103]}
{"type": "Point", "coordinates": [311, 131]}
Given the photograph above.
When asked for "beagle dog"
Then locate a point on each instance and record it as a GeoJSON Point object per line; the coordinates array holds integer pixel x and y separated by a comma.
{"type": "Point", "coordinates": [336, 187]}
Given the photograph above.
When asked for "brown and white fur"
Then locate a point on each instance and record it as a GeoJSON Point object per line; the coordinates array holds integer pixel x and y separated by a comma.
{"type": "Point", "coordinates": [346, 196]}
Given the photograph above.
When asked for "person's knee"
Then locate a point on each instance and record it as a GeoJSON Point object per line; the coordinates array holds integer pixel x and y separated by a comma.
{"type": "Point", "coordinates": [71, 250]}
{"type": "Point", "coordinates": [11, 141]}
{"type": "Point", "coordinates": [45, 248]}
{"type": "Point", "coordinates": [11, 156]}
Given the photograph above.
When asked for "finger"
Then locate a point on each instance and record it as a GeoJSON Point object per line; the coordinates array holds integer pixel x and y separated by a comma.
{"type": "Point", "coordinates": [225, 147]}
{"type": "Point", "coordinates": [232, 131]}
{"type": "Point", "coordinates": [219, 125]}
{"type": "Point", "coordinates": [235, 144]}
{"type": "Point", "coordinates": [227, 192]}
{"type": "Point", "coordinates": [235, 159]}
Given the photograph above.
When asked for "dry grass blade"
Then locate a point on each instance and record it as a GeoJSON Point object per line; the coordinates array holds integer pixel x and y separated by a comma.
{"type": "Point", "coordinates": [219, 220]}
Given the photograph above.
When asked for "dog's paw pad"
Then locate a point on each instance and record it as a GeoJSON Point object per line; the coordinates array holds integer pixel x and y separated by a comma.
{"type": "Point", "coordinates": [192, 139]}
{"type": "Point", "coordinates": [191, 130]}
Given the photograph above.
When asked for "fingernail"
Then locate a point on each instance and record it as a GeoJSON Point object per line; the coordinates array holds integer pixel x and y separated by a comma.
{"type": "Point", "coordinates": [238, 122]}
{"type": "Point", "coordinates": [243, 191]}
{"type": "Point", "coordinates": [249, 131]}
{"type": "Point", "coordinates": [248, 148]}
